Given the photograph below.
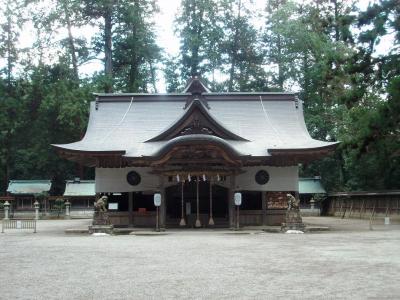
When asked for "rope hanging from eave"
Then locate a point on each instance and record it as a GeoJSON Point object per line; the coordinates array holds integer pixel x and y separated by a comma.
{"type": "Point", "coordinates": [119, 123]}
{"type": "Point", "coordinates": [269, 122]}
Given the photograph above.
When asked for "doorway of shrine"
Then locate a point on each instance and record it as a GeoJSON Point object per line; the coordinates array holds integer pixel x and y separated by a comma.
{"type": "Point", "coordinates": [183, 199]}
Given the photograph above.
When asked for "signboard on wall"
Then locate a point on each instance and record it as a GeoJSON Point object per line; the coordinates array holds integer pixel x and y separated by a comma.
{"type": "Point", "coordinates": [113, 206]}
{"type": "Point", "coordinates": [238, 199]}
{"type": "Point", "coordinates": [157, 199]}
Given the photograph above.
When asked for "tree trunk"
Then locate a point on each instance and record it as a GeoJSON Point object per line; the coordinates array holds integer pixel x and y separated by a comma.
{"type": "Point", "coordinates": [71, 43]}
{"type": "Point", "coordinates": [108, 48]}
{"type": "Point", "coordinates": [280, 64]}
{"type": "Point", "coordinates": [337, 36]}
{"type": "Point", "coordinates": [194, 70]}
{"type": "Point", "coordinates": [234, 49]}
{"type": "Point", "coordinates": [9, 50]}
{"type": "Point", "coordinates": [153, 76]}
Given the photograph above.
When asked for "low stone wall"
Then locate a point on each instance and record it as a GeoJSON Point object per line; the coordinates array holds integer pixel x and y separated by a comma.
{"type": "Point", "coordinates": [308, 212]}
{"type": "Point", "coordinates": [81, 213]}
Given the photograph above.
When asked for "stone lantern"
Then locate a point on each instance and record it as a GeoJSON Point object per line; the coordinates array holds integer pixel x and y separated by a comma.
{"type": "Point", "coordinates": [67, 209]}
{"type": "Point", "coordinates": [36, 206]}
{"type": "Point", "coordinates": [6, 210]}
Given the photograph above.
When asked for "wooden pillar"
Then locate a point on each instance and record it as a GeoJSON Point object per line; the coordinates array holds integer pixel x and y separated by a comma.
{"type": "Point", "coordinates": [231, 201]}
{"type": "Point", "coordinates": [198, 223]}
{"type": "Point", "coordinates": [130, 208]}
{"type": "Point", "coordinates": [264, 207]}
{"type": "Point", "coordinates": [211, 220]}
{"type": "Point", "coordinates": [163, 206]}
{"type": "Point", "coordinates": [182, 222]}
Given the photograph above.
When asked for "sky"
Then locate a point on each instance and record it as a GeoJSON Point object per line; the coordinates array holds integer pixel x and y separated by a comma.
{"type": "Point", "coordinates": [166, 37]}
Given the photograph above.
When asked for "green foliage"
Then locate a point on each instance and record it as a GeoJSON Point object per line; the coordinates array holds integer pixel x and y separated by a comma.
{"type": "Point", "coordinates": [326, 50]}
{"type": "Point", "coordinates": [219, 43]}
{"type": "Point", "coordinates": [59, 205]}
{"type": "Point", "coordinates": [135, 50]}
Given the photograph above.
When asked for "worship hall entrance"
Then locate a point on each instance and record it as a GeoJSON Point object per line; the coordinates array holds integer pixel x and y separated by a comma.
{"type": "Point", "coordinates": [197, 203]}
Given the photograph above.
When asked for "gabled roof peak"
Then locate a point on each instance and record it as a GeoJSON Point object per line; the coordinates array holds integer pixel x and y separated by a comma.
{"type": "Point", "coordinates": [196, 86]}
{"type": "Point", "coordinates": [196, 120]}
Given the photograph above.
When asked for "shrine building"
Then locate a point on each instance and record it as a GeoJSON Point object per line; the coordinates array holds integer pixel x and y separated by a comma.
{"type": "Point", "coordinates": [196, 148]}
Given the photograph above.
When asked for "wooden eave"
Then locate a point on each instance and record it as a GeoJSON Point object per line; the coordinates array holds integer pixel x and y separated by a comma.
{"type": "Point", "coordinates": [304, 151]}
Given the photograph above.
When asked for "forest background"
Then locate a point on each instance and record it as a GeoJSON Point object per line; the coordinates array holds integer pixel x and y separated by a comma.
{"type": "Point", "coordinates": [326, 50]}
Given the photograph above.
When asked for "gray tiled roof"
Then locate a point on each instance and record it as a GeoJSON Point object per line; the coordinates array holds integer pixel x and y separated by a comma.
{"type": "Point", "coordinates": [122, 125]}
{"type": "Point", "coordinates": [28, 187]}
{"type": "Point", "coordinates": [79, 188]}
{"type": "Point", "coordinates": [311, 186]}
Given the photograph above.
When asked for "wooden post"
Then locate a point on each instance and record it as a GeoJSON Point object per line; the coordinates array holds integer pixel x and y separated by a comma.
{"type": "Point", "coordinates": [344, 212]}
{"type": "Point", "coordinates": [162, 209]}
{"type": "Point", "coordinates": [237, 217]}
{"type": "Point", "coordinates": [231, 202]}
{"type": "Point", "coordinates": [371, 219]}
{"type": "Point", "coordinates": [198, 223]}
{"type": "Point", "coordinates": [351, 208]}
{"type": "Point", "coordinates": [182, 222]}
{"type": "Point", "coordinates": [157, 219]}
{"type": "Point", "coordinates": [130, 208]}
{"type": "Point", "coordinates": [387, 207]}
{"type": "Point", "coordinates": [362, 206]}
{"type": "Point", "coordinates": [264, 207]}
{"type": "Point", "coordinates": [211, 220]}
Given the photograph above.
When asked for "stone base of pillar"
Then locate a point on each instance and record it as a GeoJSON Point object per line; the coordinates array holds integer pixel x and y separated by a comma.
{"type": "Point", "coordinates": [198, 223]}
{"type": "Point", "coordinates": [211, 221]}
{"type": "Point", "coordinates": [182, 222]}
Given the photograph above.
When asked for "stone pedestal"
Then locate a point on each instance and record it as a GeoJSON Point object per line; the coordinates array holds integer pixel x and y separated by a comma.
{"type": "Point", "coordinates": [101, 223]}
{"type": "Point", "coordinates": [109, 229]}
{"type": "Point", "coordinates": [293, 221]}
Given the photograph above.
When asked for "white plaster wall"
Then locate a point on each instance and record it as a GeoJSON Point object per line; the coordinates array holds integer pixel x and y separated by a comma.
{"type": "Point", "coordinates": [113, 180]}
{"type": "Point", "coordinates": [280, 179]}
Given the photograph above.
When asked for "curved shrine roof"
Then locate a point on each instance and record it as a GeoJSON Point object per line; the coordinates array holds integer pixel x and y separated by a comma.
{"type": "Point", "coordinates": [262, 122]}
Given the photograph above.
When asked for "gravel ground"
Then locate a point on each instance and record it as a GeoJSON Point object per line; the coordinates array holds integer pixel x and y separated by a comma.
{"type": "Point", "coordinates": [192, 264]}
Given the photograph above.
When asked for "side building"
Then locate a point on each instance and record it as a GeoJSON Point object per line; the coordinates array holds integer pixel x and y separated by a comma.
{"type": "Point", "coordinates": [22, 195]}
{"type": "Point", "coordinates": [196, 148]}
{"type": "Point", "coordinates": [81, 194]}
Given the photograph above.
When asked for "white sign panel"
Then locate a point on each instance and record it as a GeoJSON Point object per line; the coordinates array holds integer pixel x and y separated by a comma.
{"type": "Point", "coordinates": [19, 224]}
{"type": "Point", "coordinates": [113, 206]}
{"type": "Point", "coordinates": [238, 198]}
{"type": "Point", "coordinates": [157, 199]}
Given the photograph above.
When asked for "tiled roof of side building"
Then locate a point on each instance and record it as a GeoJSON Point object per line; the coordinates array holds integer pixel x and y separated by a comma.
{"type": "Point", "coordinates": [28, 187]}
{"type": "Point", "coordinates": [311, 186]}
{"type": "Point", "coordinates": [80, 188]}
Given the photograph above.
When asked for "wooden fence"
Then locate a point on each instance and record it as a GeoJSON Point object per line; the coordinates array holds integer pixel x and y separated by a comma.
{"type": "Point", "coordinates": [18, 224]}
{"type": "Point", "coordinates": [364, 204]}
